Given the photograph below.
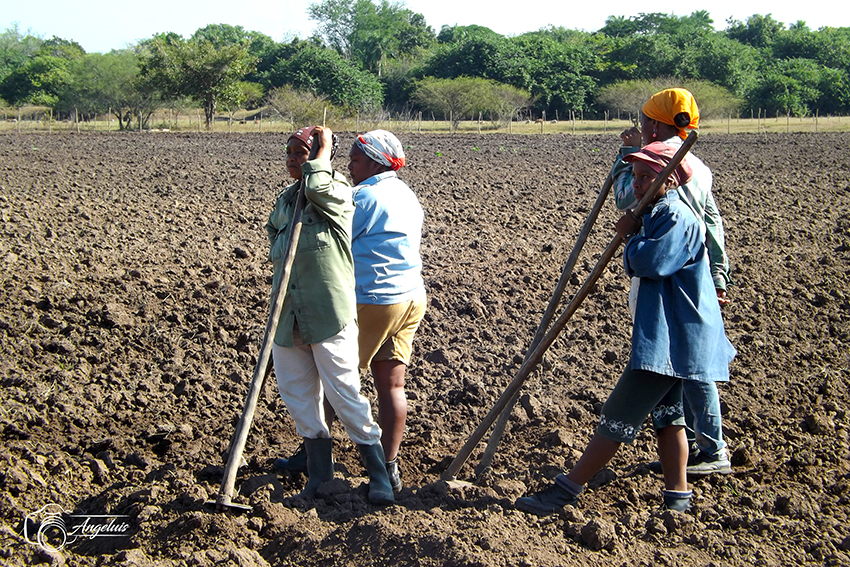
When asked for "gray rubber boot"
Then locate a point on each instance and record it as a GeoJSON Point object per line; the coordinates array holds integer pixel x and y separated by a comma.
{"type": "Point", "coordinates": [380, 490]}
{"type": "Point", "coordinates": [320, 465]}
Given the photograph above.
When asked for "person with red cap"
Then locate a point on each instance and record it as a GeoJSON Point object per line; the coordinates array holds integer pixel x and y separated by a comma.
{"type": "Point", "coordinates": [315, 349]}
{"type": "Point", "coordinates": [677, 337]}
{"type": "Point", "coordinates": [666, 117]}
{"type": "Point", "coordinates": [391, 301]}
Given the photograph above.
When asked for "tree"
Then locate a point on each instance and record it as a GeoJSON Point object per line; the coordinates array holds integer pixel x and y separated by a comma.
{"type": "Point", "coordinates": [370, 32]}
{"type": "Point", "coordinates": [39, 78]}
{"type": "Point", "coordinates": [559, 72]}
{"type": "Point", "coordinates": [630, 96]}
{"type": "Point", "coordinates": [298, 106]}
{"type": "Point", "coordinates": [198, 69]}
{"type": "Point", "coordinates": [325, 73]}
{"type": "Point", "coordinates": [759, 31]}
{"type": "Point", "coordinates": [16, 48]}
{"type": "Point", "coordinates": [110, 83]}
{"type": "Point", "coordinates": [465, 97]}
{"type": "Point", "coordinates": [38, 81]}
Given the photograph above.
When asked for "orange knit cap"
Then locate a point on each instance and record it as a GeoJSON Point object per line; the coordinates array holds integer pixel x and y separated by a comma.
{"type": "Point", "coordinates": [664, 107]}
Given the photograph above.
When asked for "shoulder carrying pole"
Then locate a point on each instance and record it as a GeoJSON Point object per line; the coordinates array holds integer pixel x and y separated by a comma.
{"type": "Point", "coordinates": [537, 354]}
{"type": "Point", "coordinates": [501, 424]}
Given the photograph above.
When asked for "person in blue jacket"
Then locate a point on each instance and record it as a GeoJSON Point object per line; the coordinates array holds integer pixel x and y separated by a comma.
{"type": "Point", "coordinates": [677, 335]}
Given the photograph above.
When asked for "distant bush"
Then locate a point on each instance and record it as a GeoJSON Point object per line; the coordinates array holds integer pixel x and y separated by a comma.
{"type": "Point", "coordinates": [630, 96]}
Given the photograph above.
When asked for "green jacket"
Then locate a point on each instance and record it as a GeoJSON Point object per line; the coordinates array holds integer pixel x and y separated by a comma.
{"type": "Point", "coordinates": [320, 299]}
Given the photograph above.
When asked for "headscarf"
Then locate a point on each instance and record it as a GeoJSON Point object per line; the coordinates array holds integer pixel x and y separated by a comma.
{"type": "Point", "coordinates": [664, 107]}
{"type": "Point", "coordinates": [657, 155]}
{"type": "Point", "coordinates": [305, 135]}
{"type": "Point", "coordinates": [382, 147]}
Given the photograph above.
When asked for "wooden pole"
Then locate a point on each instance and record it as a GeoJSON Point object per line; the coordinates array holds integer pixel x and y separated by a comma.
{"type": "Point", "coordinates": [499, 429]}
{"type": "Point", "coordinates": [240, 435]}
{"type": "Point", "coordinates": [536, 356]}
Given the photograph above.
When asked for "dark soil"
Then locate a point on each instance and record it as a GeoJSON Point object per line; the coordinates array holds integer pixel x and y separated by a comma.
{"type": "Point", "coordinates": [134, 293]}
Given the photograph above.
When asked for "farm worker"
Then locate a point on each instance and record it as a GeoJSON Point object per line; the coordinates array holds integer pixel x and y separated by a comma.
{"type": "Point", "coordinates": [391, 298]}
{"type": "Point", "coordinates": [665, 118]}
{"type": "Point", "coordinates": [315, 352]}
{"type": "Point", "coordinates": [677, 337]}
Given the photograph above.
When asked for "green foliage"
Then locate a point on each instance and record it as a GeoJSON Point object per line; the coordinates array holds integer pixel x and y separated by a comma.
{"type": "Point", "coordinates": [16, 48]}
{"type": "Point", "coordinates": [325, 73]}
{"type": "Point", "coordinates": [197, 68]}
{"type": "Point", "coordinates": [758, 31]}
{"type": "Point", "coordinates": [465, 97]}
{"type": "Point", "coordinates": [699, 22]}
{"type": "Point", "coordinates": [367, 55]}
{"type": "Point", "coordinates": [370, 32]}
{"type": "Point", "coordinates": [38, 81]}
{"type": "Point", "coordinates": [800, 87]}
{"type": "Point", "coordinates": [453, 34]}
{"type": "Point", "coordinates": [299, 107]}
{"type": "Point", "coordinates": [630, 96]}
{"type": "Point", "coordinates": [108, 83]}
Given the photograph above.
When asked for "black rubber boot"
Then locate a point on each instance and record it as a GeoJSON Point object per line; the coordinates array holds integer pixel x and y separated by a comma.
{"type": "Point", "coordinates": [394, 474]}
{"type": "Point", "coordinates": [297, 463]}
{"type": "Point", "coordinates": [380, 490]}
{"type": "Point", "coordinates": [320, 465]}
{"type": "Point", "coordinates": [679, 501]}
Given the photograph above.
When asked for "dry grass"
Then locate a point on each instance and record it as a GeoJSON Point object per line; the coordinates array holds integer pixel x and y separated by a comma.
{"type": "Point", "coordinates": [189, 122]}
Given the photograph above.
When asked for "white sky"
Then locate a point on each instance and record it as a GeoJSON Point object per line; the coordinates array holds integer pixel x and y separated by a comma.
{"type": "Point", "coordinates": [103, 25]}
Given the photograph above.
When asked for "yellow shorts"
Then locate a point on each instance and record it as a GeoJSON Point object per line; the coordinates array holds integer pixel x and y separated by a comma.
{"type": "Point", "coordinates": [386, 331]}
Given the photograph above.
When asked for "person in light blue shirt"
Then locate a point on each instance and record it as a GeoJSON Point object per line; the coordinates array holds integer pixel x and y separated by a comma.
{"type": "Point", "coordinates": [386, 235]}
{"type": "Point", "coordinates": [677, 337]}
{"type": "Point", "coordinates": [390, 292]}
{"type": "Point", "coordinates": [391, 302]}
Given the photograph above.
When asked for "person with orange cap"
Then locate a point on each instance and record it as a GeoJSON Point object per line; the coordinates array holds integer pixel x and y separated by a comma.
{"type": "Point", "coordinates": [677, 338]}
{"type": "Point", "coordinates": [666, 117]}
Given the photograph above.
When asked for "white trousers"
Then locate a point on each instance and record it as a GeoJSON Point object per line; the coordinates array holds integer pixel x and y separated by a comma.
{"type": "Point", "coordinates": [308, 373]}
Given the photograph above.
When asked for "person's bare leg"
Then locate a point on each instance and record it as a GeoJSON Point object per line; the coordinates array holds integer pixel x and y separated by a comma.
{"type": "Point", "coordinates": [330, 414]}
{"type": "Point", "coordinates": [673, 454]}
{"type": "Point", "coordinates": [599, 452]}
{"type": "Point", "coordinates": [392, 403]}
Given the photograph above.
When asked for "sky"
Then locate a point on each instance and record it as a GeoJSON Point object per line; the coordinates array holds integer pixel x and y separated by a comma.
{"type": "Point", "coordinates": [103, 25]}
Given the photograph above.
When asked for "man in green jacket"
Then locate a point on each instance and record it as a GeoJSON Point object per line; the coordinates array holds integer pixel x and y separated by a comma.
{"type": "Point", "coordinates": [316, 349]}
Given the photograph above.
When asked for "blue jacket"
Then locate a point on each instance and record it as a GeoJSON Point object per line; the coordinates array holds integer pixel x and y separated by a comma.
{"type": "Point", "coordinates": [386, 234]}
{"type": "Point", "coordinates": [678, 330]}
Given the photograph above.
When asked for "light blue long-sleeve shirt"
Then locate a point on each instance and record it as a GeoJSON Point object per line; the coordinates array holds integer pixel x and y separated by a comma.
{"type": "Point", "coordinates": [387, 231]}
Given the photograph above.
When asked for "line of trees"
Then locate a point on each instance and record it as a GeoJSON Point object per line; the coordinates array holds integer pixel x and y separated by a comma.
{"type": "Point", "coordinates": [370, 56]}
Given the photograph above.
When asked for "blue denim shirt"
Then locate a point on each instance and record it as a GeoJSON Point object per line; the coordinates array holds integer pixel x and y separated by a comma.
{"type": "Point", "coordinates": [678, 330]}
{"type": "Point", "coordinates": [385, 241]}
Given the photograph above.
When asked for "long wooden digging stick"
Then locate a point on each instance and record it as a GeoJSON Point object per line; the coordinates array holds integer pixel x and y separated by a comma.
{"type": "Point", "coordinates": [240, 435]}
{"type": "Point", "coordinates": [537, 354]}
{"type": "Point", "coordinates": [501, 424]}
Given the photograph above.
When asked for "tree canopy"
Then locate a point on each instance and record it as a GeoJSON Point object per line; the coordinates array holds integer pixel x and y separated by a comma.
{"type": "Point", "coordinates": [370, 55]}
